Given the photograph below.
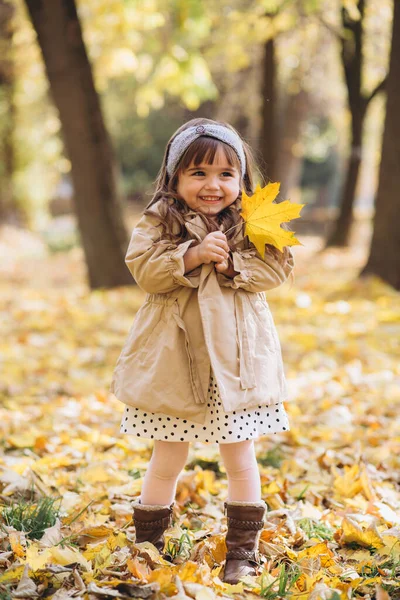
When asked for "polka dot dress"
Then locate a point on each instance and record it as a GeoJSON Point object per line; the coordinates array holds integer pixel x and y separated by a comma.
{"type": "Point", "coordinates": [219, 426]}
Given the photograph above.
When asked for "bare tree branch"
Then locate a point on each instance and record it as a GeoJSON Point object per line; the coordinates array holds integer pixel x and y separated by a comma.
{"type": "Point", "coordinates": [381, 87]}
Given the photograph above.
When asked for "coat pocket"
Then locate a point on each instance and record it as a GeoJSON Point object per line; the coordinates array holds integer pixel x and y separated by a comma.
{"type": "Point", "coordinates": [193, 371]}
{"type": "Point", "coordinates": [146, 327]}
{"type": "Point", "coordinates": [168, 357]}
{"type": "Point", "coordinates": [157, 327]}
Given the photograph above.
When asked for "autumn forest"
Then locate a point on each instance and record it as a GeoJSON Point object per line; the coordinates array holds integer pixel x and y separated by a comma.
{"type": "Point", "coordinates": [90, 93]}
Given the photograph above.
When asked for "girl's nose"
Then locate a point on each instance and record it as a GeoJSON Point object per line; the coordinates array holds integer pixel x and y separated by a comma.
{"type": "Point", "coordinates": [212, 184]}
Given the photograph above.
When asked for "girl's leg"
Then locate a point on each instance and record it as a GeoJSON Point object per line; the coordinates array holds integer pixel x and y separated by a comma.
{"type": "Point", "coordinates": [241, 466]}
{"type": "Point", "coordinates": [165, 466]}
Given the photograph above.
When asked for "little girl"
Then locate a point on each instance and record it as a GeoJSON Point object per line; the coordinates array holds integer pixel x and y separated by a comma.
{"type": "Point", "coordinates": [203, 361]}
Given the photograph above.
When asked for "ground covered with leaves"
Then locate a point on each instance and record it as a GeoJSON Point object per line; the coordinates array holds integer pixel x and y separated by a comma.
{"type": "Point", "coordinates": [68, 477]}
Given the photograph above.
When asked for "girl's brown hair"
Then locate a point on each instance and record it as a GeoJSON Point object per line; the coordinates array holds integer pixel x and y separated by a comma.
{"type": "Point", "coordinates": [173, 208]}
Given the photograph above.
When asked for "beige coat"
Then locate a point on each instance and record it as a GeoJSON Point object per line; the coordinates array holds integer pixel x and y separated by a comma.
{"type": "Point", "coordinates": [189, 322]}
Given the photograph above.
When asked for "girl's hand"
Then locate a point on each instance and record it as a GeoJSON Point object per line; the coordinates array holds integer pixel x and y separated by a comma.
{"type": "Point", "coordinates": [214, 248]}
{"type": "Point", "coordinates": [222, 266]}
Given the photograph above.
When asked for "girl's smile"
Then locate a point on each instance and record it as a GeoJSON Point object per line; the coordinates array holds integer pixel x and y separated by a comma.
{"type": "Point", "coordinates": [210, 188]}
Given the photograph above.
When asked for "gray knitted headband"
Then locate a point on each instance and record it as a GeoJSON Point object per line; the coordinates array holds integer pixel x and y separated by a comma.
{"type": "Point", "coordinates": [186, 137]}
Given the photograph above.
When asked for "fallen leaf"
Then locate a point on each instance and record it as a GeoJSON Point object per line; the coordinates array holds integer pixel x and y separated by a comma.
{"type": "Point", "coordinates": [354, 533]}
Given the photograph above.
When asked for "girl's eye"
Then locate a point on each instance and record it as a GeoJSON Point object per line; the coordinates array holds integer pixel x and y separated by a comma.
{"type": "Point", "coordinates": [202, 173]}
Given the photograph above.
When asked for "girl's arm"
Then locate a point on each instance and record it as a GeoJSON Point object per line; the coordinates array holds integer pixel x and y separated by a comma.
{"type": "Point", "coordinates": [191, 259]}
{"type": "Point", "coordinates": [255, 274]}
{"type": "Point", "coordinates": [158, 266]}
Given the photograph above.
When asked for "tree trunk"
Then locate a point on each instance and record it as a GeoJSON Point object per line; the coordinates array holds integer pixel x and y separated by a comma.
{"type": "Point", "coordinates": [352, 60]}
{"type": "Point", "coordinates": [269, 137]}
{"type": "Point", "coordinates": [342, 227]}
{"type": "Point", "coordinates": [8, 210]}
{"type": "Point", "coordinates": [93, 168]}
{"type": "Point", "coordinates": [295, 112]}
{"type": "Point", "coordinates": [384, 258]}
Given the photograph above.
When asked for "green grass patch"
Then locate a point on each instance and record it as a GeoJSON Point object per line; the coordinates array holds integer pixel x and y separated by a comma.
{"type": "Point", "coordinates": [313, 528]}
{"type": "Point", "coordinates": [179, 547]}
{"type": "Point", "coordinates": [281, 587]}
{"type": "Point", "coordinates": [31, 517]}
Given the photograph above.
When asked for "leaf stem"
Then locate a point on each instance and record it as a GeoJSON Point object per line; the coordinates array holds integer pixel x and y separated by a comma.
{"type": "Point", "coordinates": [237, 225]}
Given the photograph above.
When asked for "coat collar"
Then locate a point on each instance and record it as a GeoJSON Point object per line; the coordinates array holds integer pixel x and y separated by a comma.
{"type": "Point", "coordinates": [197, 228]}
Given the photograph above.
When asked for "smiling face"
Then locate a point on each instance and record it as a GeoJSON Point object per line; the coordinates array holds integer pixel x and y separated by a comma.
{"type": "Point", "coordinates": [209, 188]}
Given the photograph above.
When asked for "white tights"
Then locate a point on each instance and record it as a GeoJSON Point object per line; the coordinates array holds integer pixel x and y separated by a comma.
{"type": "Point", "coordinates": [169, 458]}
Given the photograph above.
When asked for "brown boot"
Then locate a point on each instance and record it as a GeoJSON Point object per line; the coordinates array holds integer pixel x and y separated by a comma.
{"type": "Point", "coordinates": [245, 521]}
{"type": "Point", "coordinates": [151, 521]}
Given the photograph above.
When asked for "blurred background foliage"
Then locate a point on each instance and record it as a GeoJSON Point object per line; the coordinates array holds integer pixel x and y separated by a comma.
{"type": "Point", "coordinates": [156, 63]}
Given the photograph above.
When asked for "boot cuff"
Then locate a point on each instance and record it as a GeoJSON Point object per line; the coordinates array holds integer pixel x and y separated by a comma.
{"type": "Point", "coordinates": [138, 503]}
{"type": "Point", "coordinates": [240, 503]}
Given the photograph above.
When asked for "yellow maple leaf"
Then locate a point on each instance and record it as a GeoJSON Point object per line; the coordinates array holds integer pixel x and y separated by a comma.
{"type": "Point", "coordinates": [116, 540]}
{"type": "Point", "coordinates": [321, 551]}
{"type": "Point", "coordinates": [13, 574]}
{"type": "Point", "coordinates": [353, 532]}
{"type": "Point", "coordinates": [263, 218]}
{"type": "Point", "coordinates": [36, 557]}
{"type": "Point", "coordinates": [349, 484]}
{"type": "Point", "coordinates": [100, 555]}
